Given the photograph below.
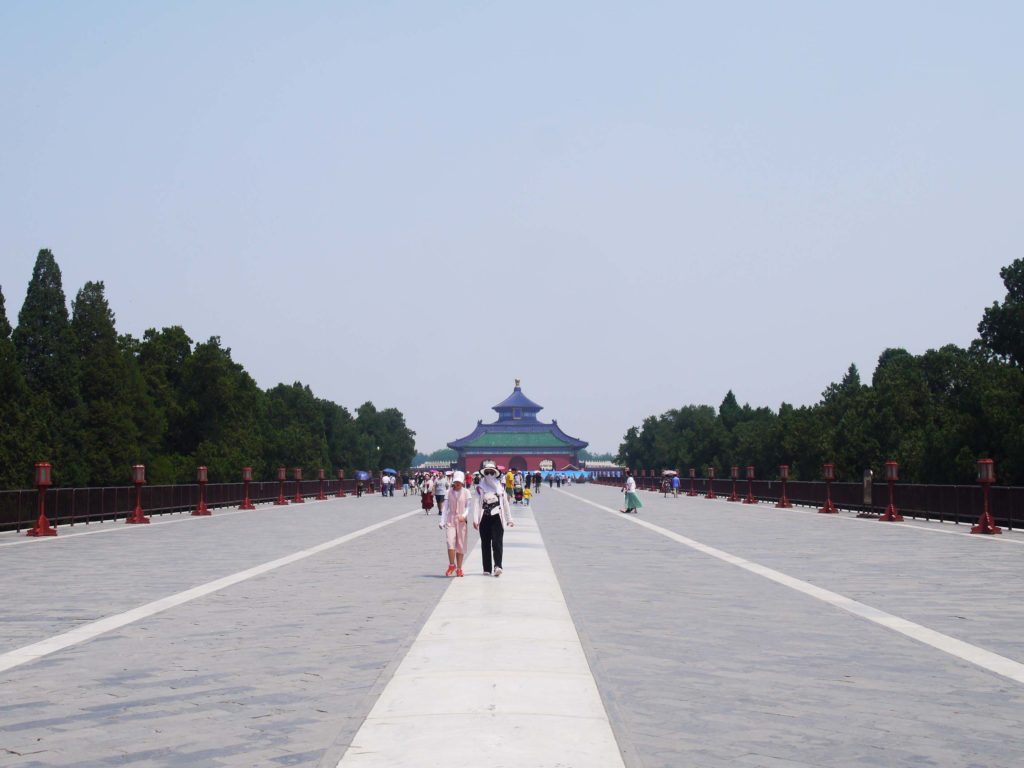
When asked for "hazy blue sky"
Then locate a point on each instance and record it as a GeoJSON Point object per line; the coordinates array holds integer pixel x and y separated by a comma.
{"type": "Point", "coordinates": [632, 206]}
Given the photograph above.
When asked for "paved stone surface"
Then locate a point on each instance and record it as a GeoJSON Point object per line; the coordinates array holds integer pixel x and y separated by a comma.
{"type": "Point", "coordinates": [702, 663]}
{"type": "Point", "coordinates": [498, 673]}
{"type": "Point", "coordinates": [698, 662]}
{"type": "Point", "coordinates": [273, 671]}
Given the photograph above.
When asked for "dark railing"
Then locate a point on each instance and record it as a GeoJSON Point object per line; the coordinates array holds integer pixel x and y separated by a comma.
{"type": "Point", "coordinates": [71, 506]}
{"type": "Point", "coordinates": [953, 503]}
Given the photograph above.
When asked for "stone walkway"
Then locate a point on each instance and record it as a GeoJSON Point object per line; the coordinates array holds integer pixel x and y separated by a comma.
{"type": "Point", "coordinates": [272, 637]}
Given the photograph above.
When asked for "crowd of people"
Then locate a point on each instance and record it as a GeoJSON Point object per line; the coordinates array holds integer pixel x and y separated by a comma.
{"type": "Point", "coordinates": [487, 495]}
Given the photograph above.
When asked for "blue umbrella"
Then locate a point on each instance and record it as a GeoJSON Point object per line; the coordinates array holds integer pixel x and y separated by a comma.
{"type": "Point", "coordinates": [362, 474]}
{"type": "Point", "coordinates": [389, 472]}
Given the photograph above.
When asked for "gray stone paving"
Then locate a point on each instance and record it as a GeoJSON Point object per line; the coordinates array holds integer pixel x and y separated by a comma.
{"type": "Point", "coordinates": [277, 670]}
{"type": "Point", "coordinates": [704, 664]}
{"type": "Point", "coordinates": [699, 663]}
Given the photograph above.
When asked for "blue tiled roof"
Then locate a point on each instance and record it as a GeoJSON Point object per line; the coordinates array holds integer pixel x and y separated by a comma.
{"type": "Point", "coordinates": [517, 400]}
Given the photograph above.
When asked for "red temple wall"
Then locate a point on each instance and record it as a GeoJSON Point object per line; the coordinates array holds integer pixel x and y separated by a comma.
{"type": "Point", "coordinates": [471, 462]}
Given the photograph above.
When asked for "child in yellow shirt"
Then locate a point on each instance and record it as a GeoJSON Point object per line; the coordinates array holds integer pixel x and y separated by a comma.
{"type": "Point", "coordinates": [526, 495]}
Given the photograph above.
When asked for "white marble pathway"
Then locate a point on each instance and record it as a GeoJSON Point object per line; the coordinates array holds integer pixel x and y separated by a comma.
{"type": "Point", "coordinates": [497, 677]}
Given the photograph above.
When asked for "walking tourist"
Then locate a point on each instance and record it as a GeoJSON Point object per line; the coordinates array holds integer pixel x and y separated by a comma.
{"type": "Point", "coordinates": [510, 481]}
{"type": "Point", "coordinates": [405, 483]}
{"type": "Point", "coordinates": [491, 515]}
{"type": "Point", "coordinates": [427, 494]}
{"type": "Point", "coordinates": [633, 502]}
{"type": "Point", "coordinates": [440, 491]}
{"type": "Point", "coordinates": [454, 523]}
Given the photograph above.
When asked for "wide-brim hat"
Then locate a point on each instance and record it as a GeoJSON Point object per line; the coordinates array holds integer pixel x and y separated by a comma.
{"type": "Point", "coordinates": [488, 466]}
{"type": "Point", "coordinates": [459, 477]}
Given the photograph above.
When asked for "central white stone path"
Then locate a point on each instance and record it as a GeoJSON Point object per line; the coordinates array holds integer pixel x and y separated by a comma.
{"type": "Point", "coordinates": [496, 677]}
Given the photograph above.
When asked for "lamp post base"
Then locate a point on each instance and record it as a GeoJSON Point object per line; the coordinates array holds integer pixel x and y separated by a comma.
{"type": "Point", "coordinates": [829, 508]}
{"type": "Point", "coordinates": [986, 525]}
{"type": "Point", "coordinates": [892, 515]}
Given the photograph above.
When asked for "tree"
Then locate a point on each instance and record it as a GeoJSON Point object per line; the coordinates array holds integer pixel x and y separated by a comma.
{"type": "Point", "coordinates": [18, 444]}
{"type": "Point", "coordinates": [108, 436]}
{"type": "Point", "coordinates": [1002, 324]}
{"type": "Point", "coordinates": [45, 346]}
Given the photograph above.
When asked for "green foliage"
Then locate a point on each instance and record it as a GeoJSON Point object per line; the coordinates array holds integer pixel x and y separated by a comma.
{"type": "Point", "coordinates": [49, 362]}
{"type": "Point", "coordinates": [1002, 326]}
{"type": "Point", "coordinates": [109, 436]}
{"type": "Point", "coordinates": [18, 435]}
{"type": "Point", "coordinates": [93, 403]}
{"type": "Point", "coordinates": [935, 413]}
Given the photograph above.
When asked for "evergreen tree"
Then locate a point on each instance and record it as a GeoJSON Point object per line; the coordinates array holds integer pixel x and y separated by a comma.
{"type": "Point", "coordinates": [1002, 325]}
{"type": "Point", "coordinates": [109, 436]}
{"type": "Point", "coordinates": [18, 449]}
{"type": "Point", "coordinates": [45, 347]}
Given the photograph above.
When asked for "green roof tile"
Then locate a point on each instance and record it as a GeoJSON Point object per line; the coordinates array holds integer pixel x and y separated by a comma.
{"type": "Point", "coordinates": [516, 440]}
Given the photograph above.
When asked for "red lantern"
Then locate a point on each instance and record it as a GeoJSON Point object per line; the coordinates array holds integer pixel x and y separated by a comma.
{"type": "Point", "coordinates": [711, 484]}
{"type": "Point", "coordinates": [892, 474]}
{"type": "Point", "coordinates": [829, 472]}
{"type": "Point", "coordinates": [693, 482]}
{"type": "Point", "coordinates": [986, 476]}
{"type": "Point", "coordinates": [44, 480]}
{"type": "Point", "coordinates": [297, 476]}
{"type": "Point", "coordinates": [750, 486]}
{"type": "Point", "coordinates": [341, 484]}
{"type": "Point", "coordinates": [783, 502]}
{"type": "Point", "coordinates": [201, 475]}
{"type": "Point", "coordinates": [139, 480]}
{"type": "Point", "coordinates": [734, 473]}
{"type": "Point", "coordinates": [246, 479]}
{"type": "Point", "coordinates": [282, 474]}
{"type": "Point", "coordinates": [320, 476]}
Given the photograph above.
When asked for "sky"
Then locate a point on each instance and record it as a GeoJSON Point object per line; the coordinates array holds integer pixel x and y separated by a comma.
{"type": "Point", "coordinates": [630, 206]}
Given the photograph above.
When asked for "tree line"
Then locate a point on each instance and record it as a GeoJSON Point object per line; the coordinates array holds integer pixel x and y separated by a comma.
{"type": "Point", "coordinates": [936, 414]}
{"type": "Point", "coordinates": [75, 392]}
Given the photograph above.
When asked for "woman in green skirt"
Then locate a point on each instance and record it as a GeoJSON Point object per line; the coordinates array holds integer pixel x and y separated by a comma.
{"type": "Point", "coordinates": [633, 502]}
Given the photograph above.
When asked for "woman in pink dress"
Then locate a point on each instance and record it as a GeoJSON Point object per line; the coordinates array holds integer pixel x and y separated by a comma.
{"type": "Point", "coordinates": [454, 522]}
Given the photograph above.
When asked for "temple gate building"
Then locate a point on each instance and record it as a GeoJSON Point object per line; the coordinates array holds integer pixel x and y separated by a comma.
{"type": "Point", "coordinates": [518, 440]}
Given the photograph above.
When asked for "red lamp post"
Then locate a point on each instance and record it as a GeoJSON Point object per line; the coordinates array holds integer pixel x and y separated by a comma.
{"type": "Point", "coordinates": [750, 486]}
{"type": "Point", "coordinates": [711, 484]}
{"type": "Point", "coordinates": [341, 484]}
{"type": "Point", "coordinates": [783, 502]}
{"type": "Point", "coordinates": [829, 473]}
{"type": "Point", "coordinates": [986, 476]}
{"type": "Point", "coordinates": [320, 476]}
{"type": "Point", "coordinates": [246, 479]}
{"type": "Point", "coordinates": [693, 481]}
{"type": "Point", "coordinates": [297, 476]}
{"type": "Point", "coordinates": [892, 474]}
{"type": "Point", "coordinates": [734, 473]}
{"type": "Point", "coordinates": [282, 473]}
{"type": "Point", "coordinates": [201, 477]}
{"type": "Point", "coordinates": [44, 479]}
{"type": "Point", "coordinates": [138, 480]}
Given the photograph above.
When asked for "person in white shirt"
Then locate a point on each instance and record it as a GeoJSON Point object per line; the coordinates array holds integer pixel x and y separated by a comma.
{"type": "Point", "coordinates": [440, 491]}
{"type": "Point", "coordinates": [633, 502]}
{"type": "Point", "coordinates": [491, 515]}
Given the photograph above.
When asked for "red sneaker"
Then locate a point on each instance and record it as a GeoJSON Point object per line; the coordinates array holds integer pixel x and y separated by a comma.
{"type": "Point", "coordinates": [458, 572]}
{"type": "Point", "coordinates": [450, 571]}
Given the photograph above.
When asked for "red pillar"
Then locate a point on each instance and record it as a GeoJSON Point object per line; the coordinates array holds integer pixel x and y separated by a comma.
{"type": "Point", "coordinates": [246, 479]}
{"type": "Point", "coordinates": [44, 480]}
{"type": "Point", "coordinates": [693, 482]}
{"type": "Point", "coordinates": [829, 473]}
{"type": "Point", "coordinates": [341, 484]}
{"type": "Point", "coordinates": [282, 473]}
{"type": "Point", "coordinates": [297, 475]}
{"type": "Point", "coordinates": [320, 496]}
{"type": "Point", "coordinates": [892, 474]}
{"type": "Point", "coordinates": [201, 475]}
{"type": "Point", "coordinates": [734, 473]}
{"type": "Point", "coordinates": [783, 502]}
{"type": "Point", "coordinates": [139, 480]}
{"type": "Point", "coordinates": [750, 487]}
{"type": "Point", "coordinates": [711, 484]}
{"type": "Point", "coordinates": [986, 476]}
